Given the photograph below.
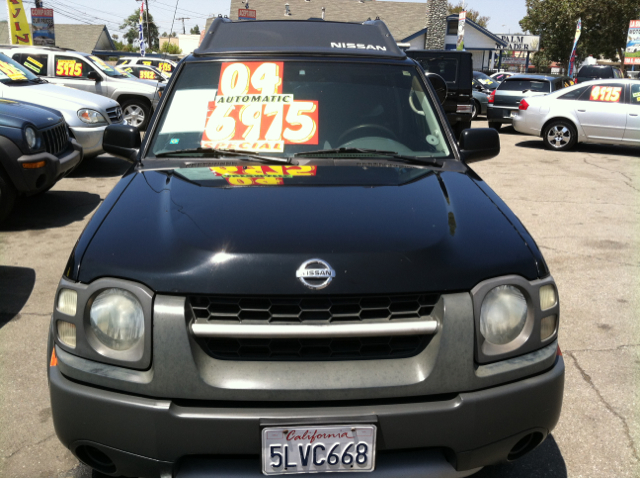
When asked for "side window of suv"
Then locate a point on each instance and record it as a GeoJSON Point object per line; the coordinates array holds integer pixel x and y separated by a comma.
{"type": "Point", "coordinates": [36, 63]}
{"type": "Point", "coordinates": [70, 67]}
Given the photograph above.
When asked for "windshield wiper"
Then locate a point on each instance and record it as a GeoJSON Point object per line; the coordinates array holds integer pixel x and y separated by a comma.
{"type": "Point", "coordinates": [218, 153]}
{"type": "Point", "coordinates": [39, 80]}
{"type": "Point", "coordinates": [413, 160]}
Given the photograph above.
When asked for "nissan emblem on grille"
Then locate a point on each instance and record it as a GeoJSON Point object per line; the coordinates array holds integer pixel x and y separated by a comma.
{"type": "Point", "coordinates": [315, 274]}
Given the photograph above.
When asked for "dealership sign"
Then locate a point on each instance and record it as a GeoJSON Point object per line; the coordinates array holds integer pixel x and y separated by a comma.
{"type": "Point", "coordinates": [42, 26]}
{"type": "Point", "coordinates": [632, 51]}
{"type": "Point", "coordinates": [519, 43]}
{"type": "Point", "coordinates": [246, 14]}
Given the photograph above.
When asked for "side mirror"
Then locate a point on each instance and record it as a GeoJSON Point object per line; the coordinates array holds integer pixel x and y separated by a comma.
{"type": "Point", "coordinates": [439, 85]}
{"type": "Point", "coordinates": [94, 75]}
{"type": "Point", "coordinates": [479, 144]}
{"type": "Point", "coordinates": [122, 141]}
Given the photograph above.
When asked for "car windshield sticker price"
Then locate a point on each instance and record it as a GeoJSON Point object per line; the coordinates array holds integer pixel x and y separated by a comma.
{"type": "Point", "coordinates": [251, 113]}
{"type": "Point", "coordinates": [147, 75]}
{"type": "Point", "coordinates": [101, 64]}
{"type": "Point", "coordinates": [486, 82]}
{"type": "Point", "coordinates": [606, 93]}
{"type": "Point", "coordinates": [165, 67]}
{"type": "Point", "coordinates": [264, 175]}
{"type": "Point", "coordinates": [68, 68]}
{"type": "Point", "coordinates": [148, 63]}
{"type": "Point", "coordinates": [12, 72]}
{"type": "Point", "coordinates": [33, 64]}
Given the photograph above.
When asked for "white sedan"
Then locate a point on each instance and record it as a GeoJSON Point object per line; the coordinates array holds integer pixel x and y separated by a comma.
{"type": "Point", "coordinates": [601, 111]}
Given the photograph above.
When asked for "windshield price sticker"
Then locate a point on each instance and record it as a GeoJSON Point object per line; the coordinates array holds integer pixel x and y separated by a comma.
{"type": "Point", "coordinates": [251, 113]}
{"type": "Point", "coordinates": [165, 67]}
{"type": "Point", "coordinates": [101, 64]}
{"type": "Point", "coordinates": [147, 75]}
{"type": "Point", "coordinates": [261, 174]}
{"type": "Point", "coordinates": [68, 68]}
{"type": "Point", "coordinates": [12, 72]}
{"type": "Point", "coordinates": [33, 64]}
{"type": "Point", "coordinates": [606, 93]}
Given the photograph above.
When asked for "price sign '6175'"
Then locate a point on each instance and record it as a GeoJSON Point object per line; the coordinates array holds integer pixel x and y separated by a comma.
{"type": "Point", "coordinates": [251, 113]}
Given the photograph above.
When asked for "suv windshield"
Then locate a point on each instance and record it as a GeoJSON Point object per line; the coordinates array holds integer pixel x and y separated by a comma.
{"type": "Point", "coordinates": [105, 68]}
{"type": "Point", "coordinates": [12, 72]}
{"type": "Point", "coordinates": [526, 85]}
{"type": "Point", "coordinates": [291, 107]}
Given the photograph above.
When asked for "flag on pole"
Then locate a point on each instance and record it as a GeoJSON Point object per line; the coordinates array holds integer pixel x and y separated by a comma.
{"type": "Point", "coordinates": [140, 30]}
{"type": "Point", "coordinates": [19, 31]}
{"type": "Point", "coordinates": [572, 61]}
{"type": "Point", "coordinates": [462, 18]}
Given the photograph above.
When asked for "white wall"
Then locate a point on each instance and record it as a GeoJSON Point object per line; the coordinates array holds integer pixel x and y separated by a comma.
{"type": "Point", "coordinates": [188, 43]}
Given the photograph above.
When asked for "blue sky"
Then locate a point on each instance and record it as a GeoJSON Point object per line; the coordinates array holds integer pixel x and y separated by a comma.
{"type": "Point", "coordinates": [504, 14]}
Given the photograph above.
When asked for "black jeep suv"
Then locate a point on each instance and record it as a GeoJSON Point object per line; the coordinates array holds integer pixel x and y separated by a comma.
{"type": "Point", "coordinates": [35, 151]}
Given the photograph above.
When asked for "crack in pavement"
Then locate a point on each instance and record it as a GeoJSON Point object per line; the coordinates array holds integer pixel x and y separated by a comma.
{"type": "Point", "coordinates": [28, 445]}
{"type": "Point", "coordinates": [592, 350]}
{"type": "Point", "coordinates": [625, 426]}
{"type": "Point", "coordinates": [615, 171]}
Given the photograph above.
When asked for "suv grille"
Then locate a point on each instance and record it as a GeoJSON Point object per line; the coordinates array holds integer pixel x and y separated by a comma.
{"type": "Point", "coordinates": [317, 309]}
{"type": "Point", "coordinates": [115, 114]}
{"type": "Point", "coordinates": [56, 138]}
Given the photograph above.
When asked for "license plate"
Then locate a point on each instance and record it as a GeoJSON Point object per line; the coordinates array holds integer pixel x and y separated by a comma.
{"type": "Point", "coordinates": [514, 113]}
{"type": "Point", "coordinates": [310, 449]}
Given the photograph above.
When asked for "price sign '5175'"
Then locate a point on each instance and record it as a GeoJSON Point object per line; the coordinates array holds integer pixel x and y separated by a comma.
{"type": "Point", "coordinates": [251, 113]}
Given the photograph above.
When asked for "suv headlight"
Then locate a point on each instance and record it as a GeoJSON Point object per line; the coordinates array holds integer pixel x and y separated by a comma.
{"type": "Point", "coordinates": [91, 117]}
{"type": "Point", "coordinates": [32, 138]}
{"type": "Point", "coordinates": [503, 314]}
{"type": "Point", "coordinates": [117, 319]}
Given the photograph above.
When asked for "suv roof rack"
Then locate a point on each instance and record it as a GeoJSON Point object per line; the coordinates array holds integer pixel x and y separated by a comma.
{"type": "Point", "coordinates": [371, 38]}
{"type": "Point", "coordinates": [61, 49]}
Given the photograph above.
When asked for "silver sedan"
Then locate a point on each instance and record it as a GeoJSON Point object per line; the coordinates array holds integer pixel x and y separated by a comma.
{"type": "Point", "coordinates": [601, 111]}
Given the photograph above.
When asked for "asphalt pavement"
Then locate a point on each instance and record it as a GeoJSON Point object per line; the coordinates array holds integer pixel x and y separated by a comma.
{"type": "Point", "coordinates": [581, 207]}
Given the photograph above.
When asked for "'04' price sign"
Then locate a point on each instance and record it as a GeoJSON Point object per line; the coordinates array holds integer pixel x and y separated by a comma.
{"type": "Point", "coordinates": [251, 113]}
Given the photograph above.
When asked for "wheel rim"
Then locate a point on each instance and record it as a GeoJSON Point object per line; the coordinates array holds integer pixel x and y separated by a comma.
{"type": "Point", "coordinates": [474, 111]}
{"type": "Point", "coordinates": [134, 115]}
{"type": "Point", "coordinates": [559, 136]}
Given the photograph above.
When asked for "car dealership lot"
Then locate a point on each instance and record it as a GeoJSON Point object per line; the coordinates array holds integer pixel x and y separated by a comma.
{"type": "Point", "coordinates": [580, 206]}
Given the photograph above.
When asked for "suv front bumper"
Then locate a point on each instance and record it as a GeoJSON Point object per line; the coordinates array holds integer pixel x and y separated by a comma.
{"type": "Point", "coordinates": [34, 180]}
{"type": "Point", "coordinates": [444, 435]}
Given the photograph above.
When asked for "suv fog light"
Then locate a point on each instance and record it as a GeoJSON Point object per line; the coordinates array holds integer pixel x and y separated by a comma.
{"type": "Point", "coordinates": [67, 333]}
{"type": "Point", "coordinates": [117, 319]}
{"type": "Point", "coordinates": [503, 314]}
{"type": "Point", "coordinates": [548, 327]}
{"type": "Point", "coordinates": [67, 301]}
{"type": "Point", "coordinates": [548, 297]}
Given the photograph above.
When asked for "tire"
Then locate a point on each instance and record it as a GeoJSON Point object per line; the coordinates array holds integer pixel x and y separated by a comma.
{"type": "Point", "coordinates": [7, 196]}
{"type": "Point", "coordinates": [138, 113]}
{"type": "Point", "coordinates": [476, 110]}
{"type": "Point", "coordinates": [495, 125]}
{"type": "Point", "coordinates": [559, 135]}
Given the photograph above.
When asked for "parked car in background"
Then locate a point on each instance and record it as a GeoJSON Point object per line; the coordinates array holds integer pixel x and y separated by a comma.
{"type": "Point", "coordinates": [455, 67]}
{"type": "Point", "coordinates": [480, 104]}
{"type": "Point", "coordinates": [602, 111]}
{"type": "Point", "coordinates": [163, 64]}
{"type": "Point", "coordinates": [596, 72]}
{"type": "Point", "coordinates": [89, 73]}
{"type": "Point", "coordinates": [504, 100]}
{"type": "Point", "coordinates": [486, 81]}
{"type": "Point", "coordinates": [501, 76]}
{"type": "Point", "coordinates": [36, 150]}
{"type": "Point", "coordinates": [87, 114]}
{"type": "Point", "coordinates": [144, 72]}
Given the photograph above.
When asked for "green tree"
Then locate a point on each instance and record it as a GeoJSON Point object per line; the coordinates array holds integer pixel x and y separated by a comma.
{"type": "Point", "coordinates": [131, 23]}
{"type": "Point", "coordinates": [472, 14]}
{"type": "Point", "coordinates": [195, 30]}
{"type": "Point", "coordinates": [170, 48]}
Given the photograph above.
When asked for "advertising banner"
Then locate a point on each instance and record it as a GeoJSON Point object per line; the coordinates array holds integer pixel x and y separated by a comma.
{"type": "Point", "coordinates": [462, 18]}
{"type": "Point", "coordinates": [632, 52]}
{"type": "Point", "coordinates": [140, 30]}
{"type": "Point", "coordinates": [42, 26]}
{"type": "Point", "coordinates": [246, 14]}
{"type": "Point", "coordinates": [572, 61]}
{"type": "Point", "coordinates": [20, 33]}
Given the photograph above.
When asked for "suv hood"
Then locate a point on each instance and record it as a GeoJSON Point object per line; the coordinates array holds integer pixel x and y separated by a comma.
{"type": "Point", "coordinates": [15, 114]}
{"type": "Point", "coordinates": [392, 233]}
{"type": "Point", "coordinates": [59, 97]}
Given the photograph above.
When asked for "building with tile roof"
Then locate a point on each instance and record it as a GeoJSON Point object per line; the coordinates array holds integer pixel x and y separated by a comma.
{"type": "Point", "coordinates": [81, 38]}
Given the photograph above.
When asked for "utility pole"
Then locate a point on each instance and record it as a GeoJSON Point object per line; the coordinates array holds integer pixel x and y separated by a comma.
{"type": "Point", "coordinates": [39, 4]}
{"type": "Point", "coordinates": [184, 31]}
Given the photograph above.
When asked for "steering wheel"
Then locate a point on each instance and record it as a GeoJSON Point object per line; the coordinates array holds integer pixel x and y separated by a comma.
{"type": "Point", "coordinates": [389, 133]}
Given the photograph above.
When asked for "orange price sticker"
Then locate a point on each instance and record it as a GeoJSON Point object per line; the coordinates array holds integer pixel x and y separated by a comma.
{"type": "Point", "coordinates": [606, 93]}
{"type": "Point", "coordinates": [68, 68]}
{"type": "Point", "coordinates": [251, 113]}
{"type": "Point", "coordinates": [12, 72]}
{"type": "Point", "coordinates": [147, 75]}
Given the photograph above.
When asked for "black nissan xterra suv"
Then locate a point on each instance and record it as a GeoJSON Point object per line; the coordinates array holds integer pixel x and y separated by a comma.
{"type": "Point", "coordinates": [35, 150]}
{"type": "Point", "coordinates": [300, 273]}
{"type": "Point", "coordinates": [457, 70]}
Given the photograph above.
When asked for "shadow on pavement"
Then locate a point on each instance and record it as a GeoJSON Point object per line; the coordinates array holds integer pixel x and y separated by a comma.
{"type": "Point", "coordinates": [614, 150]}
{"type": "Point", "coordinates": [101, 167]}
{"type": "Point", "coordinates": [50, 210]}
{"type": "Point", "coordinates": [544, 461]}
{"type": "Point", "coordinates": [533, 144]}
{"type": "Point", "coordinates": [16, 285]}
